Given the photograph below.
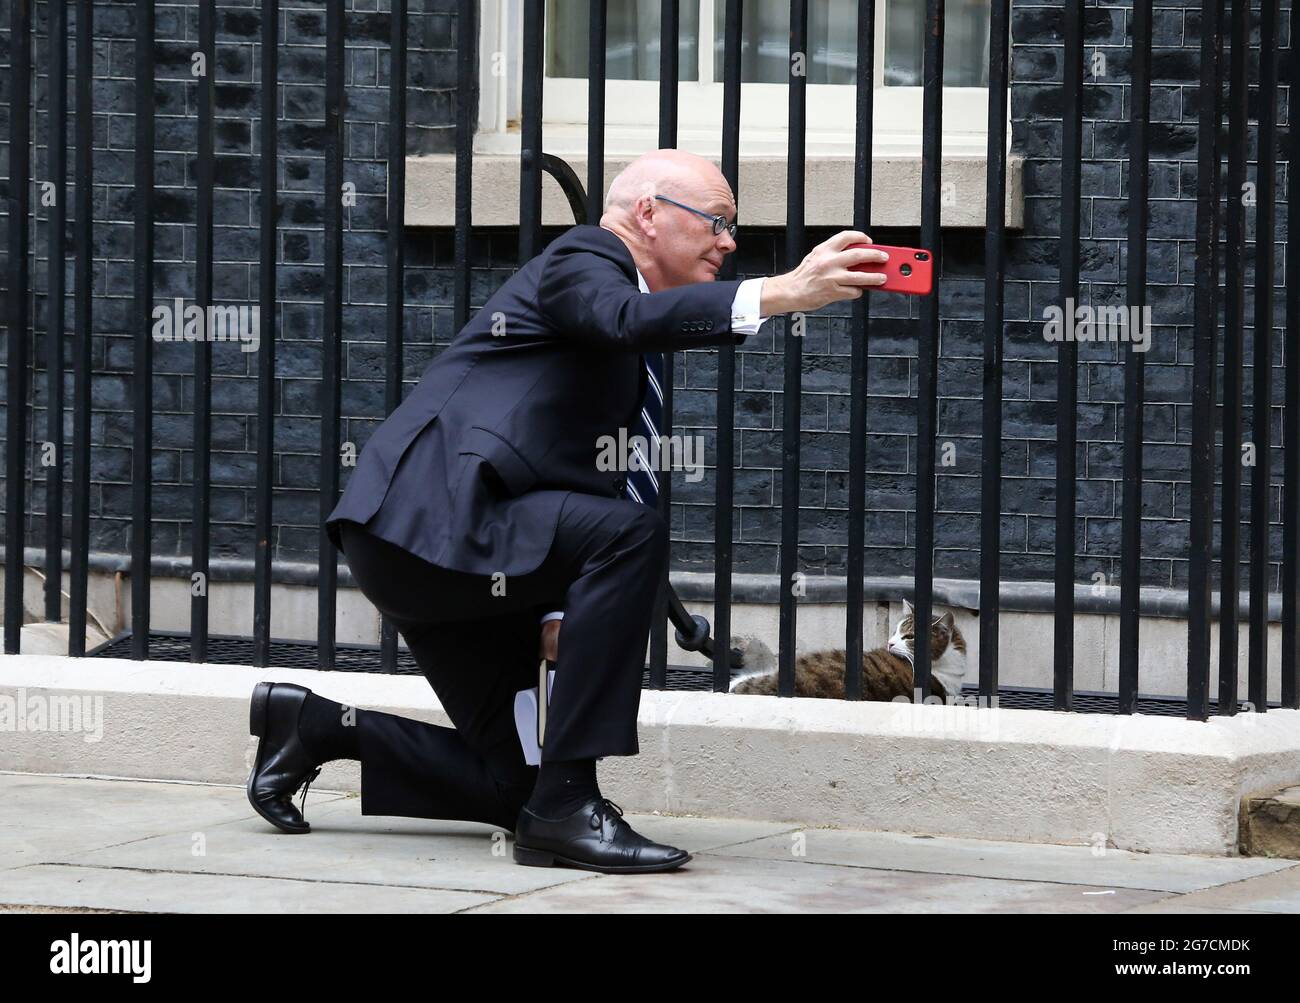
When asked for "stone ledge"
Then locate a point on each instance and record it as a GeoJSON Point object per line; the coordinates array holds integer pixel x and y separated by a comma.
{"type": "Point", "coordinates": [828, 188]}
{"type": "Point", "coordinates": [1140, 783]}
{"type": "Point", "coordinates": [1269, 825]}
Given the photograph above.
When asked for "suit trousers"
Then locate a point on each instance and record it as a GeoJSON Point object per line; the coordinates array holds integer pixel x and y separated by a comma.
{"type": "Point", "coordinates": [476, 637]}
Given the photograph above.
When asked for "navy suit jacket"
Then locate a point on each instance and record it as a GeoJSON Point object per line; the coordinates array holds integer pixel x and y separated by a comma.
{"type": "Point", "coordinates": [470, 470]}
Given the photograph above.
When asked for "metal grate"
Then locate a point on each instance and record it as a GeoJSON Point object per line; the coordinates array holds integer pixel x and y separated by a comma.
{"type": "Point", "coordinates": [224, 649]}
{"type": "Point", "coordinates": [1089, 702]}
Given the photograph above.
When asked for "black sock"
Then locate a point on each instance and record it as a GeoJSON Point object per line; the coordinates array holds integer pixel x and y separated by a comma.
{"type": "Point", "coordinates": [326, 733]}
{"type": "Point", "coordinates": [563, 787]}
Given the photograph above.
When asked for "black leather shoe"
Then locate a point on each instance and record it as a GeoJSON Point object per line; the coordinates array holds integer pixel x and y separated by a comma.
{"type": "Point", "coordinates": [282, 764]}
{"type": "Point", "coordinates": [594, 838]}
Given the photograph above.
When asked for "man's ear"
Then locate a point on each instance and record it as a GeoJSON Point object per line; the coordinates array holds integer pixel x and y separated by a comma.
{"type": "Point", "coordinates": [644, 211]}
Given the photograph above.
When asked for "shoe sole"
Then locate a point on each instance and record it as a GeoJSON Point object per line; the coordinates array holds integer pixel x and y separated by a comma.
{"type": "Point", "coordinates": [257, 709]}
{"type": "Point", "coordinates": [546, 858]}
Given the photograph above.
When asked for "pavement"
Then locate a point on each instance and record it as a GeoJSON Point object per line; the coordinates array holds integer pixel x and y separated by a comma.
{"type": "Point", "coordinates": [70, 844]}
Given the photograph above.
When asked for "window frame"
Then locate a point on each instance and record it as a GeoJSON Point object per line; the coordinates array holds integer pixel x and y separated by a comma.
{"type": "Point", "coordinates": [764, 108]}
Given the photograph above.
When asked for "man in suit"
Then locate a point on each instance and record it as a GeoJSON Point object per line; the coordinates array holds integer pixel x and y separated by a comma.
{"type": "Point", "coordinates": [482, 515]}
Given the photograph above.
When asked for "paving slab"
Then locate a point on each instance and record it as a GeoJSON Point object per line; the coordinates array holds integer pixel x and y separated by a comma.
{"type": "Point", "coordinates": [717, 883]}
{"type": "Point", "coordinates": [1278, 892]}
{"type": "Point", "coordinates": [54, 818]}
{"type": "Point", "coordinates": [1084, 865]}
{"type": "Point", "coordinates": [172, 891]}
{"type": "Point", "coordinates": [343, 846]}
{"type": "Point", "coordinates": [74, 844]}
{"type": "Point", "coordinates": [201, 828]}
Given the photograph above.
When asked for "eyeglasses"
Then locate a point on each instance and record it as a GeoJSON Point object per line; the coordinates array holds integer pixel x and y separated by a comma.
{"type": "Point", "coordinates": [719, 222]}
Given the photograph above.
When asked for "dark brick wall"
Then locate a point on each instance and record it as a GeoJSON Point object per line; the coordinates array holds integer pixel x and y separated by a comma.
{"type": "Point", "coordinates": [431, 114]}
{"type": "Point", "coordinates": [1030, 379]}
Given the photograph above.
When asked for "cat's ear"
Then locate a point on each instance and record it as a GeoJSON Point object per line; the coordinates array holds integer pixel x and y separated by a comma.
{"type": "Point", "coordinates": [907, 608]}
{"type": "Point", "coordinates": [947, 622]}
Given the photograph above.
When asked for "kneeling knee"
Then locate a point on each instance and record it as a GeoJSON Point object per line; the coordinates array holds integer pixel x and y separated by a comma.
{"type": "Point", "coordinates": [649, 529]}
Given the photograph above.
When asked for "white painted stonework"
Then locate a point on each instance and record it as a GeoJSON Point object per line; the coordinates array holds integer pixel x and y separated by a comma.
{"type": "Point", "coordinates": [1137, 783]}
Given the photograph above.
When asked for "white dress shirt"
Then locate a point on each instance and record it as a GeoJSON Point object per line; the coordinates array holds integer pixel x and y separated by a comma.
{"type": "Point", "coordinates": [745, 319]}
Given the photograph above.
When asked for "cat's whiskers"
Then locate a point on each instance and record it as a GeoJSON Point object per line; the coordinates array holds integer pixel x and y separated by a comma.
{"type": "Point", "coordinates": [902, 651]}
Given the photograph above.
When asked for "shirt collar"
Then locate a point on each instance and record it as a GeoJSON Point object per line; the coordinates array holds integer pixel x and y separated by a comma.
{"type": "Point", "coordinates": [640, 280]}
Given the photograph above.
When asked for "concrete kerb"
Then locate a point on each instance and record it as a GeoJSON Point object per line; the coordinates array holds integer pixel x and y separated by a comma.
{"type": "Point", "coordinates": [1145, 783]}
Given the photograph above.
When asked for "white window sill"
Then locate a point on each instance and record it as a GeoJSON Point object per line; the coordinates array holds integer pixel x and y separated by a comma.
{"type": "Point", "coordinates": [828, 185]}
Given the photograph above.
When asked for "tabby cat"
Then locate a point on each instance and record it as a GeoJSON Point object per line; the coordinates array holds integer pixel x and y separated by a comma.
{"type": "Point", "coordinates": [886, 672]}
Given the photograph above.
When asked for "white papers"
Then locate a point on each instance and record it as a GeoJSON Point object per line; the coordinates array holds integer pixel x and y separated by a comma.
{"type": "Point", "coordinates": [526, 719]}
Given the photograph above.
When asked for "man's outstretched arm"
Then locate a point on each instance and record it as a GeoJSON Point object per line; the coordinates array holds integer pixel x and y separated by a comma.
{"type": "Point", "coordinates": [586, 295]}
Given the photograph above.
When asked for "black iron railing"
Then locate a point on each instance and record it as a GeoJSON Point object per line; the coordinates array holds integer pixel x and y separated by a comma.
{"type": "Point", "coordinates": [1211, 201]}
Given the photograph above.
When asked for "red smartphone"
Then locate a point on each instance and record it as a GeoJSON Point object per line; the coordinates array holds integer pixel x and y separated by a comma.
{"type": "Point", "coordinates": [909, 270]}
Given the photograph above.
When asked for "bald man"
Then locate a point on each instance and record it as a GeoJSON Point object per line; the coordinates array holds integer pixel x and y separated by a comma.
{"type": "Point", "coordinates": [484, 518]}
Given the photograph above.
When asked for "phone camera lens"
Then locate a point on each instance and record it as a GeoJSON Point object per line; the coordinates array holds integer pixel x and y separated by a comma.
{"type": "Point", "coordinates": [922, 256]}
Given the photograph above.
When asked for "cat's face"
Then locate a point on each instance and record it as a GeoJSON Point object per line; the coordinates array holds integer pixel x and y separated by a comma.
{"type": "Point", "coordinates": [943, 631]}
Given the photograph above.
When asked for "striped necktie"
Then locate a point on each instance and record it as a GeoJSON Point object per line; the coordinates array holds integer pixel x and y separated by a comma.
{"type": "Point", "coordinates": [643, 484]}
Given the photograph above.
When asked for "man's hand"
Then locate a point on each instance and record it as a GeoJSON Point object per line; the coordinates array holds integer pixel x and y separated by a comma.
{"type": "Point", "coordinates": [549, 646]}
{"type": "Point", "coordinates": [823, 276]}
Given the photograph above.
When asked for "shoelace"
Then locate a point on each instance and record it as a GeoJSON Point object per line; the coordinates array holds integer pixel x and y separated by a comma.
{"type": "Point", "coordinates": [303, 804]}
{"type": "Point", "coordinates": [598, 817]}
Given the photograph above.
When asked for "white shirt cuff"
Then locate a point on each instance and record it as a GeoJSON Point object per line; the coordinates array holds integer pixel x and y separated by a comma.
{"type": "Point", "coordinates": [745, 317]}
{"type": "Point", "coordinates": [557, 615]}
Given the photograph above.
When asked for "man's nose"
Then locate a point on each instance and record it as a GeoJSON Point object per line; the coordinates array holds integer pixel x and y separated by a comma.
{"type": "Point", "coordinates": [726, 242]}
